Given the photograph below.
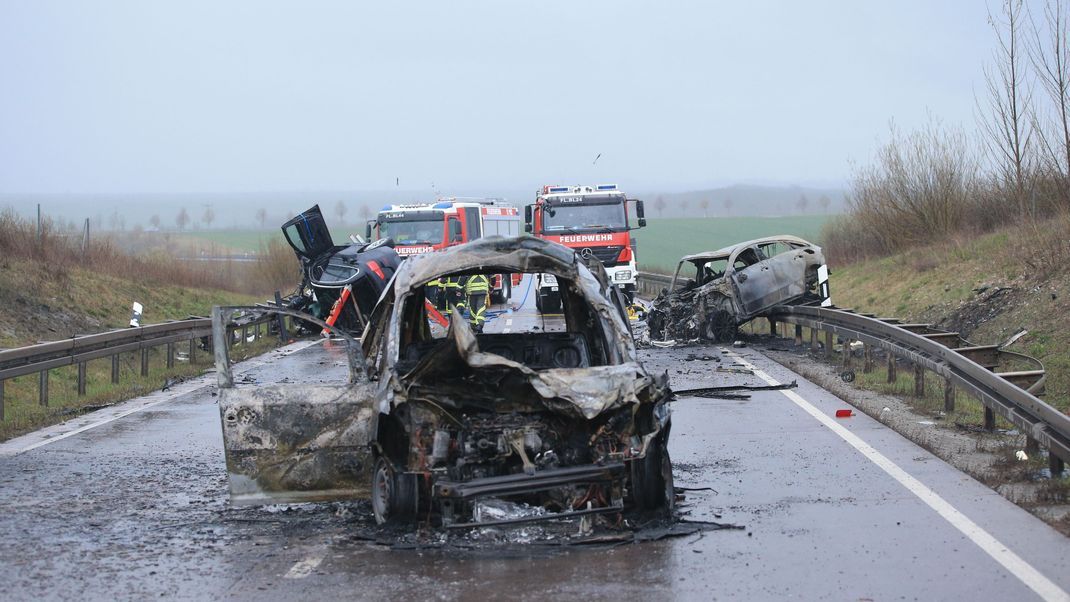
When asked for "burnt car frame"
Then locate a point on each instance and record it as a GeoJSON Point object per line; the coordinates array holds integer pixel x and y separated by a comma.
{"type": "Point", "coordinates": [711, 294]}
{"type": "Point", "coordinates": [570, 421]}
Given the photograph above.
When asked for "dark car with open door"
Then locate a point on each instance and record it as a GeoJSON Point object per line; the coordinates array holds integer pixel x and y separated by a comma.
{"type": "Point", "coordinates": [348, 279]}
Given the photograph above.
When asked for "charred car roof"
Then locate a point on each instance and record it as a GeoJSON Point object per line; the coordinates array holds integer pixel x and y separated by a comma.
{"type": "Point", "coordinates": [727, 251]}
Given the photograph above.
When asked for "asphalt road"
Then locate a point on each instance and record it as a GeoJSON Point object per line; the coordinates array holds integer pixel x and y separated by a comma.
{"type": "Point", "coordinates": [130, 503]}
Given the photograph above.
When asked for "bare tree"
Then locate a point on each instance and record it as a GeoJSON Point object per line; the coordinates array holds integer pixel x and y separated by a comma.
{"type": "Point", "coordinates": [824, 201]}
{"type": "Point", "coordinates": [1008, 122]}
{"type": "Point", "coordinates": [340, 210]}
{"type": "Point", "coordinates": [1051, 60]}
{"type": "Point", "coordinates": [182, 219]}
{"type": "Point", "coordinates": [727, 204]}
{"type": "Point", "coordinates": [261, 216]}
{"type": "Point", "coordinates": [683, 207]}
{"type": "Point", "coordinates": [802, 203]}
{"type": "Point", "coordinates": [155, 221]}
{"type": "Point", "coordinates": [365, 212]}
{"type": "Point", "coordinates": [705, 204]}
{"type": "Point", "coordinates": [208, 216]}
{"type": "Point", "coordinates": [659, 205]}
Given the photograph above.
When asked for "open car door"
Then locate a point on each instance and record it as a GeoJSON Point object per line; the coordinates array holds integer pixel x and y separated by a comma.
{"type": "Point", "coordinates": [308, 234]}
{"type": "Point", "coordinates": [290, 443]}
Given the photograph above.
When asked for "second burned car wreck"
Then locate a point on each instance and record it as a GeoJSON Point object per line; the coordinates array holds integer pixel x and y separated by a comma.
{"type": "Point", "coordinates": [435, 419]}
{"type": "Point", "coordinates": [713, 293]}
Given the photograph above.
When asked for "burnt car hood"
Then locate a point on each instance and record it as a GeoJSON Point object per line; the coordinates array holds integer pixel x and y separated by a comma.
{"type": "Point", "coordinates": [458, 367]}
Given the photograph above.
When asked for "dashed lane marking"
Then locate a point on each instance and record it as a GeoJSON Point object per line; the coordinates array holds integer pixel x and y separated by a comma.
{"type": "Point", "coordinates": [1031, 577]}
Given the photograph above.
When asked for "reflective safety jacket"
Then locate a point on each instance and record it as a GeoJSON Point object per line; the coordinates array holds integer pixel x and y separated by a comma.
{"type": "Point", "coordinates": [477, 283]}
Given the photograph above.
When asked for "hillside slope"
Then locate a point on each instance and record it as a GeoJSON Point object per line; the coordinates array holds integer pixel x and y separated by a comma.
{"type": "Point", "coordinates": [39, 303]}
{"type": "Point", "coordinates": [986, 288]}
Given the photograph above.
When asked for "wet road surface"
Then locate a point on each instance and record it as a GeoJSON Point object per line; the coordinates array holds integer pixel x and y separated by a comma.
{"type": "Point", "coordinates": [136, 508]}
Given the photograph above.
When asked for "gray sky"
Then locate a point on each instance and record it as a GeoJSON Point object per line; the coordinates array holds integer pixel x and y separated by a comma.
{"type": "Point", "coordinates": [268, 96]}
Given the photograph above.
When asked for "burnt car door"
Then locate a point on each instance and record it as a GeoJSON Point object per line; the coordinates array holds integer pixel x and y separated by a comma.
{"type": "Point", "coordinates": [787, 263]}
{"type": "Point", "coordinates": [290, 442]}
{"type": "Point", "coordinates": [753, 280]}
{"type": "Point", "coordinates": [308, 234]}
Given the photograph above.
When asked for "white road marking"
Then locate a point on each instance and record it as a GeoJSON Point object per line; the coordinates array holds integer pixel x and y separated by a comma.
{"type": "Point", "coordinates": [103, 416]}
{"type": "Point", "coordinates": [1031, 577]}
{"type": "Point", "coordinates": [304, 568]}
{"type": "Point", "coordinates": [508, 324]}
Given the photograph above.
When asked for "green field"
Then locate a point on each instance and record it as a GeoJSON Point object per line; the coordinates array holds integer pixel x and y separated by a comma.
{"type": "Point", "coordinates": [661, 243]}
{"type": "Point", "coordinates": [664, 241]}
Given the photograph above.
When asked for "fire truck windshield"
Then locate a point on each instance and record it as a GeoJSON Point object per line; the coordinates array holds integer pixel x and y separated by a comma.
{"type": "Point", "coordinates": [585, 216]}
{"type": "Point", "coordinates": [409, 229]}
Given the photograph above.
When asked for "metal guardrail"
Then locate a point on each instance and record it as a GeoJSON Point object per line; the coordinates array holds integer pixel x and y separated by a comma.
{"type": "Point", "coordinates": [79, 350]}
{"type": "Point", "coordinates": [1005, 382]}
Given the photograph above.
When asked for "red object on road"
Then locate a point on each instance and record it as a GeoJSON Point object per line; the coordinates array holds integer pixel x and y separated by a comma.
{"type": "Point", "coordinates": [844, 413]}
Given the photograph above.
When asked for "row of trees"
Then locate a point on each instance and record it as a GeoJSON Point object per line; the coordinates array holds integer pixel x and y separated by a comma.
{"type": "Point", "coordinates": [1013, 167]}
{"type": "Point", "coordinates": [801, 205]}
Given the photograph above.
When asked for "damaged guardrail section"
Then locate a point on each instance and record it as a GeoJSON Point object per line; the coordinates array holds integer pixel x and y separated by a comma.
{"type": "Point", "coordinates": [971, 368]}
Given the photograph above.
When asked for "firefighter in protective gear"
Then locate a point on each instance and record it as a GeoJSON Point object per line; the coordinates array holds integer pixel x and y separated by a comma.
{"type": "Point", "coordinates": [477, 289]}
{"type": "Point", "coordinates": [436, 293]}
{"type": "Point", "coordinates": [452, 294]}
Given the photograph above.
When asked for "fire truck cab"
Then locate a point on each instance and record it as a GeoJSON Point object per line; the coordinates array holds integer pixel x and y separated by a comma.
{"type": "Point", "coordinates": [422, 228]}
{"type": "Point", "coordinates": [592, 220]}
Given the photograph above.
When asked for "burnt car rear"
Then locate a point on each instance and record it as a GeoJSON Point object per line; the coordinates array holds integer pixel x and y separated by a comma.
{"type": "Point", "coordinates": [564, 419]}
{"type": "Point", "coordinates": [713, 293]}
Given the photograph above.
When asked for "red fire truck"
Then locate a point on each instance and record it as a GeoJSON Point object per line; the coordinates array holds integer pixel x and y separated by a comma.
{"type": "Point", "coordinates": [593, 220]}
{"type": "Point", "coordinates": [422, 228]}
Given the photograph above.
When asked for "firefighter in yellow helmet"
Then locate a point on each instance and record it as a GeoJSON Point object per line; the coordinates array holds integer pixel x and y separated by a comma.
{"type": "Point", "coordinates": [477, 289]}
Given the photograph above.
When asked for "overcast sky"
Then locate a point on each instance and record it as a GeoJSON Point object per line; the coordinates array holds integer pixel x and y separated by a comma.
{"type": "Point", "coordinates": [276, 96]}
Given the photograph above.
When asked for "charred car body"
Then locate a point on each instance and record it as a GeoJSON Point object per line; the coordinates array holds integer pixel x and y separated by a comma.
{"type": "Point", "coordinates": [713, 293]}
{"type": "Point", "coordinates": [353, 276]}
{"type": "Point", "coordinates": [435, 421]}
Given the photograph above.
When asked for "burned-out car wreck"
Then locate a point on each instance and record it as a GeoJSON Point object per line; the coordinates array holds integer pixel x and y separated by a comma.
{"type": "Point", "coordinates": [437, 418]}
{"type": "Point", "coordinates": [713, 293]}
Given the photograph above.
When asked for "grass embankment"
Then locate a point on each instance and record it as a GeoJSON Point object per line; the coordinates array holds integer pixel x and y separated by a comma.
{"type": "Point", "coordinates": [664, 241]}
{"type": "Point", "coordinates": [36, 305]}
{"type": "Point", "coordinates": [986, 287]}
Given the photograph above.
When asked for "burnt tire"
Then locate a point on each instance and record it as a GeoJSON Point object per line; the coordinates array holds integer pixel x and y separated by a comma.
{"type": "Point", "coordinates": [720, 326]}
{"type": "Point", "coordinates": [652, 482]}
{"type": "Point", "coordinates": [393, 495]}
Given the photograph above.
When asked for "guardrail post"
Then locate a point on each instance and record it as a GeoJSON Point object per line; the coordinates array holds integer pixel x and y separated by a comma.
{"type": "Point", "coordinates": [145, 361]}
{"type": "Point", "coordinates": [867, 359]}
{"type": "Point", "coordinates": [919, 380]}
{"type": "Point", "coordinates": [170, 355]}
{"type": "Point", "coordinates": [115, 369]}
{"type": "Point", "coordinates": [43, 399]}
{"type": "Point", "coordinates": [949, 396]}
{"type": "Point", "coordinates": [256, 331]}
{"type": "Point", "coordinates": [244, 334]}
{"type": "Point", "coordinates": [192, 348]}
{"type": "Point", "coordinates": [828, 344]}
{"type": "Point", "coordinates": [280, 319]}
{"type": "Point", "coordinates": [1055, 465]}
{"type": "Point", "coordinates": [798, 334]}
{"type": "Point", "coordinates": [846, 343]}
{"type": "Point", "coordinates": [892, 375]}
{"type": "Point", "coordinates": [1, 399]}
{"type": "Point", "coordinates": [81, 379]}
{"type": "Point", "coordinates": [1032, 446]}
{"type": "Point", "coordinates": [990, 419]}
{"type": "Point", "coordinates": [814, 346]}
{"type": "Point", "coordinates": [772, 327]}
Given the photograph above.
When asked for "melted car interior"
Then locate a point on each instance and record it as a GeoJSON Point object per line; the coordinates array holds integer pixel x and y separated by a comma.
{"type": "Point", "coordinates": [576, 339]}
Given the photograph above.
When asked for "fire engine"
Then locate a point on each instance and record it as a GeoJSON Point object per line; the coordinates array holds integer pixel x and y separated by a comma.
{"type": "Point", "coordinates": [423, 228]}
{"type": "Point", "coordinates": [593, 220]}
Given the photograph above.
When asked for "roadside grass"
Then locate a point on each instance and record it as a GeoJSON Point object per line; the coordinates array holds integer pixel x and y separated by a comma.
{"type": "Point", "coordinates": [23, 412]}
{"type": "Point", "coordinates": [664, 241]}
{"type": "Point", "coordinates": [935, 283]}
